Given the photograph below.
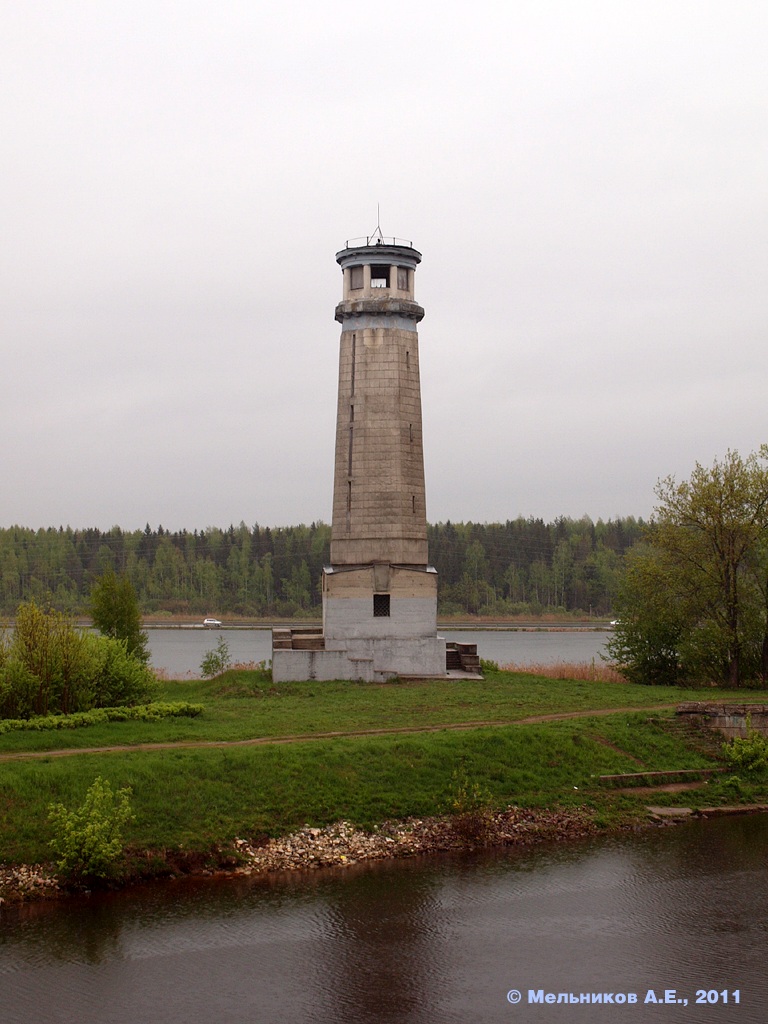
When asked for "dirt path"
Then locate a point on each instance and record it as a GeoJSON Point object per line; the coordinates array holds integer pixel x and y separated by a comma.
{"type": "Point", "coordinates": [304, 738]}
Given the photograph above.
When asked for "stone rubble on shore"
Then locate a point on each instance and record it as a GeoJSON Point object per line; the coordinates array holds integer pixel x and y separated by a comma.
{"type": "Point", "coordinates": [341, 844]}
{"type": "Point", "coordinates": [26, 882]}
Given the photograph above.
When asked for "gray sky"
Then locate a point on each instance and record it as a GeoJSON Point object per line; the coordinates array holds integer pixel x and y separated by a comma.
{"type": "Point", "coordinates": [587, 182]}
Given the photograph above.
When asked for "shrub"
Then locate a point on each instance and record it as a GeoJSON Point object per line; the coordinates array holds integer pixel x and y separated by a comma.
{"type": "Point", "coordinates": [18, 689]}
{"type": "Point", "coordinates": [89, 839]}
{"type": "Point", "coordinates": [217, 660]}
{"type": "Point", "coordinates": [51, 667]}
{"type": "Point", "coordinates": [82, 719]}
{"type": "Point", "coordinates": [747, 753]}
{"type": "Point", "coordinates": [122, 678]}
{"type": "Point", "coordinates": [471, 807]}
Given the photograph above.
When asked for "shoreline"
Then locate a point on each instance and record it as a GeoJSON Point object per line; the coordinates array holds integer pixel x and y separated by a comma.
{"type": "Point", "coordinates": [342, 844]}
{"type": "Point", "coordinates": [525, 623]}
{"type": "Point", "coordinates": [339, 844]}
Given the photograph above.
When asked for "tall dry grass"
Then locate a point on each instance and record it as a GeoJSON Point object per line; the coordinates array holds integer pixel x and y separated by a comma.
{"type": "Point", "coordinates": [589, 671]}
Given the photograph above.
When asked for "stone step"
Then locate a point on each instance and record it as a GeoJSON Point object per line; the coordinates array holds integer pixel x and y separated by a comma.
{"type": "Point", "coordinates": [309, 643]}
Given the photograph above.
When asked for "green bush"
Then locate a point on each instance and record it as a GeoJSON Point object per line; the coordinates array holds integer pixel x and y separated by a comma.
{"type": "Point", "coordinates": [122, 678]}
{"type": "Point", "coordinates": [81, 719]}
{"type": "Point", "coordinates": [18, 689]}
{"type": "Point", "coordinates": [747, 754]}
{"type": "Point", "coordinates": [217, 660]}
{"type": "Point", "coordinates": [89, 839]}
{"type": "Point", "coordinates": [49, 667]}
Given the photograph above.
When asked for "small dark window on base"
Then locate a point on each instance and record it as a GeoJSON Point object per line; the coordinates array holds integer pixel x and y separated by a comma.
{"type": "Point", "coordinates": [381, 606]}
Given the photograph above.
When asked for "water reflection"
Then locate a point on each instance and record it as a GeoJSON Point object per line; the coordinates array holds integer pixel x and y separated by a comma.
{"type": "Point", "coordinates": [384, 965]}
{"type": "Point", "coordinates": [416, 941]}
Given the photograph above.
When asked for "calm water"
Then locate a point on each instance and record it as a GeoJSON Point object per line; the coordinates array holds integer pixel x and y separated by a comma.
{"type": "Point", "coordinates": [180, 651]}
{"type": "Point", "coordinates": [418, 942]}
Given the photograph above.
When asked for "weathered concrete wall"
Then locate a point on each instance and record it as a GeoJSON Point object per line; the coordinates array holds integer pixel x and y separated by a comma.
{"type": "Point", "coordinates": [367, 659]}
{"type": "Point", "coordinates": [379, 501]}
{"type": "Point", "coordinates": [729, 719]}
{"type": "Point", "coordinates": [348, 603]}
{"type": "Point", "coordinates": [292, 666]}
{"type": "Point", "coordinates": [351, 619]}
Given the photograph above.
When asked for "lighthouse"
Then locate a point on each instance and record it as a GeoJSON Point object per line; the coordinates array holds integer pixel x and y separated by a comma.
{"type": "Point", "coordinates": [379, 591]}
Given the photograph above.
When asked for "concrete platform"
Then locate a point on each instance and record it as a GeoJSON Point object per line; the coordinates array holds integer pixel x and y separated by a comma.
{"type": "Point", "coordinates": [706, 812]}
{"type": "Point", "coordinates": [670, 812]}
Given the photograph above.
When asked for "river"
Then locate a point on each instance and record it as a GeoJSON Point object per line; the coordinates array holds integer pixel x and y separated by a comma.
{"type": "Point", "coordinates": [179, 651]}
{"type": "Point", "coordinates": [427, 941]}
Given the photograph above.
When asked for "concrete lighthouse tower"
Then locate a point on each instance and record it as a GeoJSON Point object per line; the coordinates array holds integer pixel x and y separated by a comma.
{"type": "Point", "coordinates": [379, 592]}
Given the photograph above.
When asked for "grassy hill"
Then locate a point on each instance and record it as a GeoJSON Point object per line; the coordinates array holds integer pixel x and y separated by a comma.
{"type": "Point", "coordinates": [264, 760]}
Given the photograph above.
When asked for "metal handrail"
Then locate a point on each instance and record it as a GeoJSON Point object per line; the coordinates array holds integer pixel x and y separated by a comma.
{"type": "Point", "coordinates": [376, 239]}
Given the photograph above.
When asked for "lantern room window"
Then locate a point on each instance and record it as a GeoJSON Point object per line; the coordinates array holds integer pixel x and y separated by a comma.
{"type": "Point", "coordinates": [379, 276]}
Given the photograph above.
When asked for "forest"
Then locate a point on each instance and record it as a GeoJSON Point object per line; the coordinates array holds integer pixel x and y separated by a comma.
{"type": "Point", "coordinates": [521, 567]}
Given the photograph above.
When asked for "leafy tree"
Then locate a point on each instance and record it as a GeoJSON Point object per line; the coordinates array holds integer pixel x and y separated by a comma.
{"type": "Point", "coordinates": [115, 613]}
{"type": "Point", "coordinates": [298, 588]}
{"type": "Point", "coordinates": [646, 642]}
{"type": "Point", "coordinates": [48, 666]}
{"type": "Point", "coordinates": [692, 601]}
{"type": "Point", "coordinates": [474, 584]}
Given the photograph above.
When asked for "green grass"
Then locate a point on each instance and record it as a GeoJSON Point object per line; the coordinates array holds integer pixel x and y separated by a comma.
{"type": "Point", "coordinates": [199, 797]}
{"type": "Point", "coordinates": [243, 704]}
{"type": "Point", "coordinates": [194, 798]}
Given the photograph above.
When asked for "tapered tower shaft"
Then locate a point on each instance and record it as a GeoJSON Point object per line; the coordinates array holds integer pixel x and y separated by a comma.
{"type": "Point", "coordinates": [379, 507]}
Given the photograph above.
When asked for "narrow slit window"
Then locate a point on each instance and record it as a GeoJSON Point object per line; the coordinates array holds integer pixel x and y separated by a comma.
{"type": "Point", "coordinates": [413, 503]}
{"type": "Point", "coordinates": [352, 375]}
{"type": "Point", "coordinates": [407, 359]}
{"type": "Point", "coordinates": [381, 606]}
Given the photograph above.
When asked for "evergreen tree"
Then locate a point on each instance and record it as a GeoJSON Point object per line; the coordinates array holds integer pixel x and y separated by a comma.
{"type": "Point", "coordinates": [115, 613]}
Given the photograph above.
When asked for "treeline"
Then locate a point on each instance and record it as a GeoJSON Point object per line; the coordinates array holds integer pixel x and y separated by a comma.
{"type": "Point", "coordinates": [523, 566]}
{"type": "Point", "coordinates": [527, 566]}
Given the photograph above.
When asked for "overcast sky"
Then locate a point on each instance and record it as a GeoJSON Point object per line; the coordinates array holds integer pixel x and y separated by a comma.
{"type": "Point", "coordinates": [587, 182]}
